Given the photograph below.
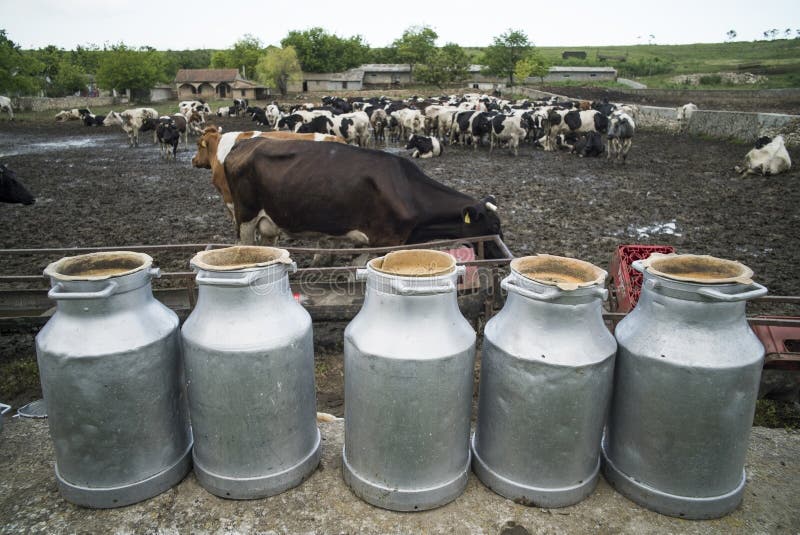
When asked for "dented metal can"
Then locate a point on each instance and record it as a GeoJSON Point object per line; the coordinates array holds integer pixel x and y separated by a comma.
{"type": "Point", "coordinates": [112, 379]}
{"type": "Point", "coordinates": [409, 356]}
{"type": "Point", "coordinates": [249, 356]}
{"type": "Point", "coordinates": [685, 390]}
{"type": "Point", "coordinates": [547, 367]}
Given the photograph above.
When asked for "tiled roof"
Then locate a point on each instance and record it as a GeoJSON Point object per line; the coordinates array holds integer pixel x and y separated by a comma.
{"type": "Point", "coordinates": [206, 75]}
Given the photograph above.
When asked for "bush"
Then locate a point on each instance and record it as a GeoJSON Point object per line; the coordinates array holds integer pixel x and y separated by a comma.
{"type": "Point", "coordinates": [646, 67]}
{"type": "Point", "coordinates": [711, 79]}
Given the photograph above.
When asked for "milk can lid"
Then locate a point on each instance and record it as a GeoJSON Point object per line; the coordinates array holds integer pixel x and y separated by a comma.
{"type": "Point", "coordinates": [240, 257]}
{"type": "Point", "coordinates": [560, 271]}
{"type": "Point", "coordinates": [415, 263]}
{"type": "Point", "coordinates": [98, 266]}
{"type": "Point", "coordinates": [702, 269]}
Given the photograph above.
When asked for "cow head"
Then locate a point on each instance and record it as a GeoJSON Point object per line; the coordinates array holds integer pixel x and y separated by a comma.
{"type": "Point", "coordinates": [480, 219]}
{"type": "Point", "coordinates": [763, 141]}
{"type": "Point", "coordinates": [112, 118]}
{"type": "Point", "coordinates": [11, 190]}
{"type": "Point", "coordinates": [206, 147]}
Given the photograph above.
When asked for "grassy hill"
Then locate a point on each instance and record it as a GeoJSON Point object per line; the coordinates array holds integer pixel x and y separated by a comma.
{"type": "Point", "coordinates": [657, 65]}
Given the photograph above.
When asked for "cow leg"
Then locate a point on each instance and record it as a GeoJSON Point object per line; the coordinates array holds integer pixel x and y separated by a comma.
{"type": "Point", "coordinates": [626, 146]}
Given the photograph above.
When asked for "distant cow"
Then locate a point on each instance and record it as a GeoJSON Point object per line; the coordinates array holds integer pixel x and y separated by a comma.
{"type": "Point", "coordinates": [685, 112]}
{"type": "Point", "coordinates": [620, 135]}
{"type": "Point", "coordinates": [509, 128]}
{"type": "Point", "coordinates": [223, 111]}
{"type": "Point", "coordinates": [11, 190]}
{"type": "Point", "coordinates": [5, 106]}
{"type": "Point", "coordinates": [93, 120]}
{"type": "Point", "coordinates": [68, 115]}
{"type": "Point", "coordinates": [767, 158]}
{"type": "Point", "coordinates": [352, 127]}
{"type": "Point", "coordinates": [317, 125]}
{"type": "Point", "coordinates": [168, 136]}
{"type": "Point", "coordinates": [424, 146]}
{"type": "Point", "coordinates": [589, 145]}
{"type": "Point", "coordinates": [562, 121]}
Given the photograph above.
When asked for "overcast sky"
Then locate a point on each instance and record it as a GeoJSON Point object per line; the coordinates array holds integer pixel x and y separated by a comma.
{"type": "Point", "coordinates": [218, 24]}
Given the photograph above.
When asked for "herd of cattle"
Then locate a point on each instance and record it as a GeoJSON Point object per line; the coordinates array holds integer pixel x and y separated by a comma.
{"type": "Point", "coordinates": [299, 177]}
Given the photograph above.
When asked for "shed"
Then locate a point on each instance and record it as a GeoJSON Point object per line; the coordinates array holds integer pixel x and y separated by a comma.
{"type": "Point", "coordinates": [216, 83]}
{"type": "Point", "coordinates": [386, 74]}
{"type": "Point", "coordinates": [332, 81]}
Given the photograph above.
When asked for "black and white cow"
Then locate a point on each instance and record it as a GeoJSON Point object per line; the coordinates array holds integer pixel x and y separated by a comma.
{"type": "Point", "coordinates": [352, 127]}
{"type": "Point", "coordinates": [11, 190]}
{"type": "Point", "coordinates": [769, 157]}
{"type": "Point", "coordinates": [424, 146]}
{"type": "Point", "coordinates": [510, 129]}
{"type": "Point", "coordinates": [317, 125]}
{"type": "Point", "coordinates": [168, 136]}
{"type": "Point", "coordinates": [620, 135]}
{"type": "Point", "coordinates": [590, 145]}
{"type": "Point", "coordinates": [562, 121]}
{"type": "Point", "coordinates": [93, 120]}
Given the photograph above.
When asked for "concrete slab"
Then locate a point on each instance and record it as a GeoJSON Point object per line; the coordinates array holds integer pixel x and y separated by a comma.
{"type": "Point", "coordinates": [30, 503]}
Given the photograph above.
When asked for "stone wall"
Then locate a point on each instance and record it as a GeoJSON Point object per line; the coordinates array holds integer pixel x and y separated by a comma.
{"type": "Point", "coordinates": [65, 103]}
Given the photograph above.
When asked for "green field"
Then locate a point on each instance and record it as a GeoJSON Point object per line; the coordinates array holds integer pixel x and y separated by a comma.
{"type": "Point", "coordinates": [654, 65]}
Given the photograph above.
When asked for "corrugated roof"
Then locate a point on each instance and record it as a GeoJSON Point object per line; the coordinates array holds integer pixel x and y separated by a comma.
{"type": "Point", "coordinates": [206, 75]}
{"type": "Point", "coordinates": [385, 67]}
{"type": "Point", "coordinates": [583, 69]}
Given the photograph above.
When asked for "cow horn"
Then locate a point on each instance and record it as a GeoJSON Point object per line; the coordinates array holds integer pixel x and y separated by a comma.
{"type": "Point", "coordinates": [492, 207]}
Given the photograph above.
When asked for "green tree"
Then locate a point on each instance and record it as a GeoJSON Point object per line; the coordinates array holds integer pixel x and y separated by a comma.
{"type": "Point", "coordinates": [243, 56]}
{"type": "Point", "coordinates": [185, 59]}
{"type": "Point", "coordinates": [387, 55]}
{"type": "Point", "coordinates": [416, 46]}
{"type": "Point", "coordinates": [533, 64]}
{"type": "Point", "coordinates": [124, 68]}
{"type": "Point", "coordinates": [19, 74]}
{"type": "Point", "coordinates": [502, 56]}
{"type": "Point", "coordinates": [68, 80]}
{"type": "Point", "coordinates": [278, 67]}
{"type": "Point", "coordinates": [446, 65]}
{"type": "Point", "coordinates": [319, 51]}
{"type": "Point", "coordinates": [86, 57]}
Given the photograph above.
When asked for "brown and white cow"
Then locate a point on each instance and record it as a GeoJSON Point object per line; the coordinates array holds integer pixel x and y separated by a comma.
{"type": "Point", "coordinates": [213, 147]}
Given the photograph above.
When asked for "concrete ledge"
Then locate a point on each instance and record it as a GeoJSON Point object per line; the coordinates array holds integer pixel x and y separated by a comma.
{"type": "Point", "coordinates": [30, 503]}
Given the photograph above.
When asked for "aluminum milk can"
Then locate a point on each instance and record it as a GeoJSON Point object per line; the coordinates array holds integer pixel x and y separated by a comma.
{"type": "Point", "coordinates": [547, 368]}
{"type": "Point", "coordinates": [112, 378]}
{"type": "Point", "coordinates": [408, 362]}
{"type": "Point", "coordinates": [685, 388]}
{"type": "Point", "coordinates": [249, 356]}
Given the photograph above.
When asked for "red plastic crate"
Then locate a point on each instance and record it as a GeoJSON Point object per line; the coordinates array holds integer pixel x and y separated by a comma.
{"type": "Point", "coordinates": [626, 282]}
{"type": "Point", "coordinates": [781, 344]}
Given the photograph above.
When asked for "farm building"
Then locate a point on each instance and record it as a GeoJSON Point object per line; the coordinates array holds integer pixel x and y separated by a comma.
{"type": "Point", "coordinates": [162, 92]}
{"type": "Point", "coordinates": [383, 74]}
{"type": "Point", "coordinates": [477, 80]}
{"type": "Point", "coordinates": [563, 74]}
{"type": "Point", "coordinates": [332, 81]}
{"type": "Point", "coordinates": [216, 83]}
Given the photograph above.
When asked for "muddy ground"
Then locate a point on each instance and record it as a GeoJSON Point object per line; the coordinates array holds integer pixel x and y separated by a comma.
{"type": "Point", "coordinates": [93, 190]}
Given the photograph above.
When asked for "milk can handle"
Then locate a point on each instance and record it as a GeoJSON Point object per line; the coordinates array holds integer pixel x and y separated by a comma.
{"type": "Point", "coordinates": [56, 293]}
{"type": "Point", "coordinates": [548, 295]}
{"type": "Point", "coordinates": [4, 408]}
{"type": "Point", "coordinates": [443, 288]}
{"type": "Point", "coordinates": [241, 281]}
{"type": "Point", "coordinates": [757, 291]}
{"type": "Point", "coordinates": [551, 293]}
{"type": "Point", "coordinates": [638, 265]}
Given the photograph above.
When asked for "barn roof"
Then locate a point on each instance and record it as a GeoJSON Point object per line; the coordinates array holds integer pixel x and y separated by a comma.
{"type": "Point", "coordinates": [206, 75]}
{"type": "Point", "coordinates": [583, 69]}
{"type": "Point", "coordinates": [386, 67]}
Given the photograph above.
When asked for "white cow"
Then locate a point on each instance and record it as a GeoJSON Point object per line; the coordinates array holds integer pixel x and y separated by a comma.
{"type": "Point", "coordinates": [68, 115]}
{"type": "Point", "coordinates": [132, 122]}
{"type": "Point", "coordinates": [409, 121]}
{"type": "Point", "coordinates": [769, 157]}
{"type": "Point", "coordinates": [685, 112]}
{"type": "Point", "coordinates": [5, 106]}
{"type": "Point", "coordinates": [273, 113]}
